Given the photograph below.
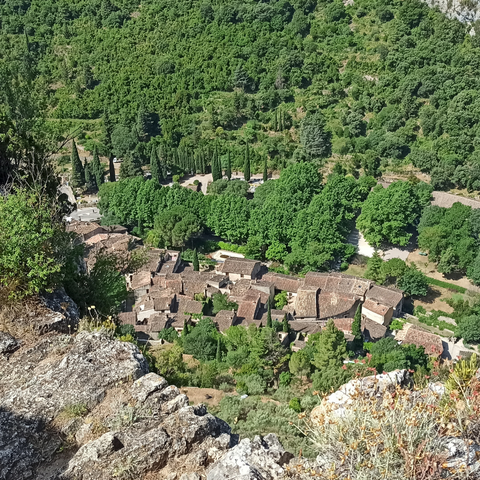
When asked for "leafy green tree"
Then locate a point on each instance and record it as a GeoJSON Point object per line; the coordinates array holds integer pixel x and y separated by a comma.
{"type": "Point", "coordinates": [175, 227]}
{"type": "Point", "coordinates": [220, 302]}
{"type": "Point", "coordinates": [130, 167]}
{"type": "Point", "coordinates": [195, 263]}
{"type": "Point", "coordinates": [156, 167]}
{"type": "Point", "coordinates": [375, 269]}
{"type": "Point", "coordinates": [168, 334]}
{"type": "Point", "coordinates": [78, 174]}
{"type": "Point", "coordinates": [469, 329]}
{"type": "Point", "coordinates": [473, 272]}
{"type": "Point", "coordinates": [393, 269]}
{"type": "Point", "coordinates": [281, 300]}
{"type": "Point", "coordinates": [331, 348]}
{"type": "Point", "coordinates": [315, 140]}
{"type": "Point", "coordinates": [246, 165]}
{"type": "Point", "coordinates": [299, 364]}
{"type": "Point", "coordinates": [229, 217]}
{"type": "Point", "coordinates": [218, 355]}
{"type": "Point", "coordinates": [389, 212]}
{"type": "Point", "coordinates": [35, 251]}
{"type": "Point", "coordinates": [413, 282]}
{"type": "Point", "coordinates": [201, 342]}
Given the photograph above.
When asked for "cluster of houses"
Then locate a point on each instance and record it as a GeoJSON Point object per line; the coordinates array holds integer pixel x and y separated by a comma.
{"type": "Point", "coordinates": [167, 292]}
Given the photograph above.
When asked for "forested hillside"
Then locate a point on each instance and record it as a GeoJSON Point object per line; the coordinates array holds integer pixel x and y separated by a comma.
{"type": "Point", "coordinates": [395, 81]}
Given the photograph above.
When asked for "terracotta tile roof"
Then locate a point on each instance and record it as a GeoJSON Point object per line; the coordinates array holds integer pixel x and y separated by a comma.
{"type": "Point", "coordinates": [376, 307]}
{"type": "Point", "coordinates": [276, 315]}
{"type": "Point", "coordinates": [432, 343]}
{"type": "Point", "coordinates": [240, 266]}
{"type": "Point", "coordinates": [282, 282]}
{"type": "Point", "coordinates": [306, 302]}
{"type": "Point", "coordinates": [178, 320]}
{"type": "Point", "coordinates": [239, 289]}
{"type": "Point", "coordinates": [332, 304]}
{"type": "Point", "coordinates": [387, 296]}
{"type": "Point", "coordinates": [187, 305]}
{"type": "Point", "coordinates": [248, 309]}
{"type": "Point", "coordinates": [144, 304]}
{"type": "Point", "coordinates": [127, 318]}
{"type": "Point", "coordinates": [141, 279]}
{"type": "Point", "coordinates": [192, 287]}
{"type": "Point", "coordinates": [224, 319]}
{"type": "Point", "coordinates": [217, 279]}
{"type": "Point", "coordinates": [338, 282]}
{"type": "Point", "coordinates": [245, 322]}
{"type": "Point", "coordinates": [165, 302]}
{"type": "Point", "coordinates": [372, 330]}
{"type": "Point", "coordinates": [158, 322]}
{"type": "Point", "coordinates": [306, 328]}
{"type": "Point", "coordinates": [344, 324]}
{"type": "Point", "coordinates": [84, 228]}
{"type": "Point", "coordinates": [167, 267]}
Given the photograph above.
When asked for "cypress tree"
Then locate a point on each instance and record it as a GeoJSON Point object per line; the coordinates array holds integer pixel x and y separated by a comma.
{"type": "Point", "coordinates": [357, 329]}
{"type": "Point", "coordinates": [285, 324]}
{"type": "Point", "coordinates": [246, 167]}
{"type": "Point", "coordinates": [97, 169]}
{"type": "Point", "coordinates": [218, 356]}
{"type": "Point", "coordinates": [228, 170]}
{"type": "Point", "coordinates": [204, 163]}
{"type": "Point", "coordinates": [198, 162]}
{"type": "Point", "coordinates": [265, 173]}
{"type": "Point", "coordinates": [111, 169]}
{"type": "Point", "coordinates": [269, 316]}
{"type": "Point", "coordinates": [216, 171]}
{"type": "Point", "coordinates": [196, 265]}
{"type": "Point", "coordinates": [185, 330]}
{"type": "Point", "coordinates": [89, 177]}
{"type": "Point", "coordinates": [78, 174]}
{"type": "Point", "coordinates": [155, 167]}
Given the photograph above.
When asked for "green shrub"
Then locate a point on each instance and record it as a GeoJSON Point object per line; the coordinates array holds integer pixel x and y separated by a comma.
{"type": "Point", "coordinates": [294, 404]}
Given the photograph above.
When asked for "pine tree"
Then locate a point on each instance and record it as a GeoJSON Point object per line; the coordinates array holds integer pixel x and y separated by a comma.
{"type": "Point", "coordinates": [269, 316]}
{"type": "Point", "coordinates": [111, 169]}
{"type": "Point", "coordinates": [357, 329]}
{"type": "Point", "coordinates": [246, 167]}
{"type": "Point", "coordinates": [142, 124]}
{"type": "Point", "coordinates": [228, 170]}
{"type": "Point", "coordinates": [97, 169]}
{"type": "Point", "coordinates": [331, 348]}
{"type": "Point", "coordinates": [196, 264]}
{"type": "Point", "coordinates": [265, 173]}
{"type": "Point", "coordinates": [130, 167]}
{"type": "Point", "coordinates": [155, 166]}
{"type": "Point", "coordinates": [285, 324]}
{"type": "Point", "coordinates": [374, 268]}
{"type": "Point", "coordinates": [218, 356]}
{"type": "Point", "coordinates": [78, 174]}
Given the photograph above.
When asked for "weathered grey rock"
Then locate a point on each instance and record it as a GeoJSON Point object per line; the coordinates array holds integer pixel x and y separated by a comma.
{"type": "Point", "coordinates": [146, 385]}
{"type": "Point", "coordinates": [257, 459]}
{"type": "Point", "coordinates": [466, 12]}
{"type": "Point", "coordinates": [38, 384]}
{"type": "Point", "coordinates": [463, 456]}
{"type": "Point", "coordinates": [8, 344]}
{"type": "Point", "coordinates": [60, 314]}
{"type": "Point", "coordinates": [190, 476]}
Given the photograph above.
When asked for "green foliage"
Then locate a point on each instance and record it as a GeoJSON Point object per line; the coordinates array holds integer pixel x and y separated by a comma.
{"type": "Point", "coordinates": [413, 282]}
{"type": "Point", "coordinates": [331, 348]}
{"type": "Point", "coordinates": [469, 329]}
{"type": "Point", "coordinates": [389, 212]}
{"type": "Point", "coordinates": [281, 300]}
{"type": "Point", "coordinates": [220, 302]}
{"type": "Point", "coordinates": [201, 342]}
{"type": "Point", "coordinates": [168, 334]}
{"type": "Point", "coordinates": [246, 166]}
{"type": "Point", "coordinates": [36, 254]}
{"type": "Point", "coordinates": [300, 363]}
{"type": "Point", "coordinates": [78, 174]}
{"type": "Point", "coordinates": [294, 404]}
{"type": "Point", "coordinates": [195, 263]}
{"type": "Point", "coordinates": [357, 329]}
{"type": "Point", "coordinates": [315, 140]}
{"type": "Point", "coordinates": [450, 286]}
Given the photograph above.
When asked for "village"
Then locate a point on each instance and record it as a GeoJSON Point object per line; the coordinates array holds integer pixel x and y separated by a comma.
{"type": "Point", "coordinates": [166, 292]}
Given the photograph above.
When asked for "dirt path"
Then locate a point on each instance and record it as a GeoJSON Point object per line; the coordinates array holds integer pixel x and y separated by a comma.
{"type": "Point", "coordinates": [209, 396]}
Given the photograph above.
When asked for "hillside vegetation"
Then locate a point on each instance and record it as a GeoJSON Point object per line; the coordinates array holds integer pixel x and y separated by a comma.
{"type": "Point", "coordinates": [396, 82]}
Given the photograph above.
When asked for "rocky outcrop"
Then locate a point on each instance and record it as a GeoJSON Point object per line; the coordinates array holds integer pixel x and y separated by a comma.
{"type": "Point", "coordinates": [466, 12]}
{"type": "Point", "coordinates": [8, 344]}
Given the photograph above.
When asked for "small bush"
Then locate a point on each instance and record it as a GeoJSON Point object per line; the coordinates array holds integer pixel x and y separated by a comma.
{"type": "Point", "coordinates": [176, 178]}
{"type": "Point", "coordinates": [226, 387]}
{"type": "Point", "coordinates": [294, 404]}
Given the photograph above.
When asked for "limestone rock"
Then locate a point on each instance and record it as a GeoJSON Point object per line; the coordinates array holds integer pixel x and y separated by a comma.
{"type": "Point", "coordinates": [259, 459]}
{"type": "Point", "coordinates": [463, 456]}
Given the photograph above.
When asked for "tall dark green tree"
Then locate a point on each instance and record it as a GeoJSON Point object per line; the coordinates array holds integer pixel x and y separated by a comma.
{"type": "Point", "coordinates": [285, 324]}
{"type": "Point", "coordinates": [216, 168]}
{"type": "Point", "coordinates": [269, 316]}
{"type": "Point", "coordinates": [78, 174]}
{"type": "Point", "coordinates": [357, 329]}
{"type": "Point", "coordinates": [97, 169]}
{"type": "Point", "coordinates": [228, 170]}
{"type": "Point", "coordinates": [89, 177]}
{"type": "Point", "coordinates": [155, 166]}
{"type": "Point", "coordinates": [218, 356]}
{"type": "Point", "coordinates": [265, 173]}
{"type": "Point", "coordinates": [130, 167]}
{"type": "Point", "coordinates": [195, 262]}
{"type": "Point", "coordinates": [246, 166]}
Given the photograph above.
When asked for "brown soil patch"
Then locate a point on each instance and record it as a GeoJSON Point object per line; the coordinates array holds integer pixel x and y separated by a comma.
{"type": "Point", "coordinates": [433, 300]}
{"type": "Point", "coordinates": [198, 395]}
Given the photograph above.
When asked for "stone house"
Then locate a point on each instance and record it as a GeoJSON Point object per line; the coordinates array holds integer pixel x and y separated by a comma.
{"type": "Point", "coordinates": [391, 297]}
{"type": "Point", "coordinates": [306, 307]}
{"type": "Point", "coordinates": [240, 268]}
{"type": "Point", "coordinates": [378, 312]}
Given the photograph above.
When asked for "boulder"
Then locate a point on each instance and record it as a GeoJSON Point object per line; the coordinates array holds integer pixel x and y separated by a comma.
{"type": "Point", "coordinates": [8, 344]}
{"type": "Point", "coordinates": [257, 459]}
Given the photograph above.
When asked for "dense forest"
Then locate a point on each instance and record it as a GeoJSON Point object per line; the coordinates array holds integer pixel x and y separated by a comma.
{"type": "Point", "coordinates": [380, 83]}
